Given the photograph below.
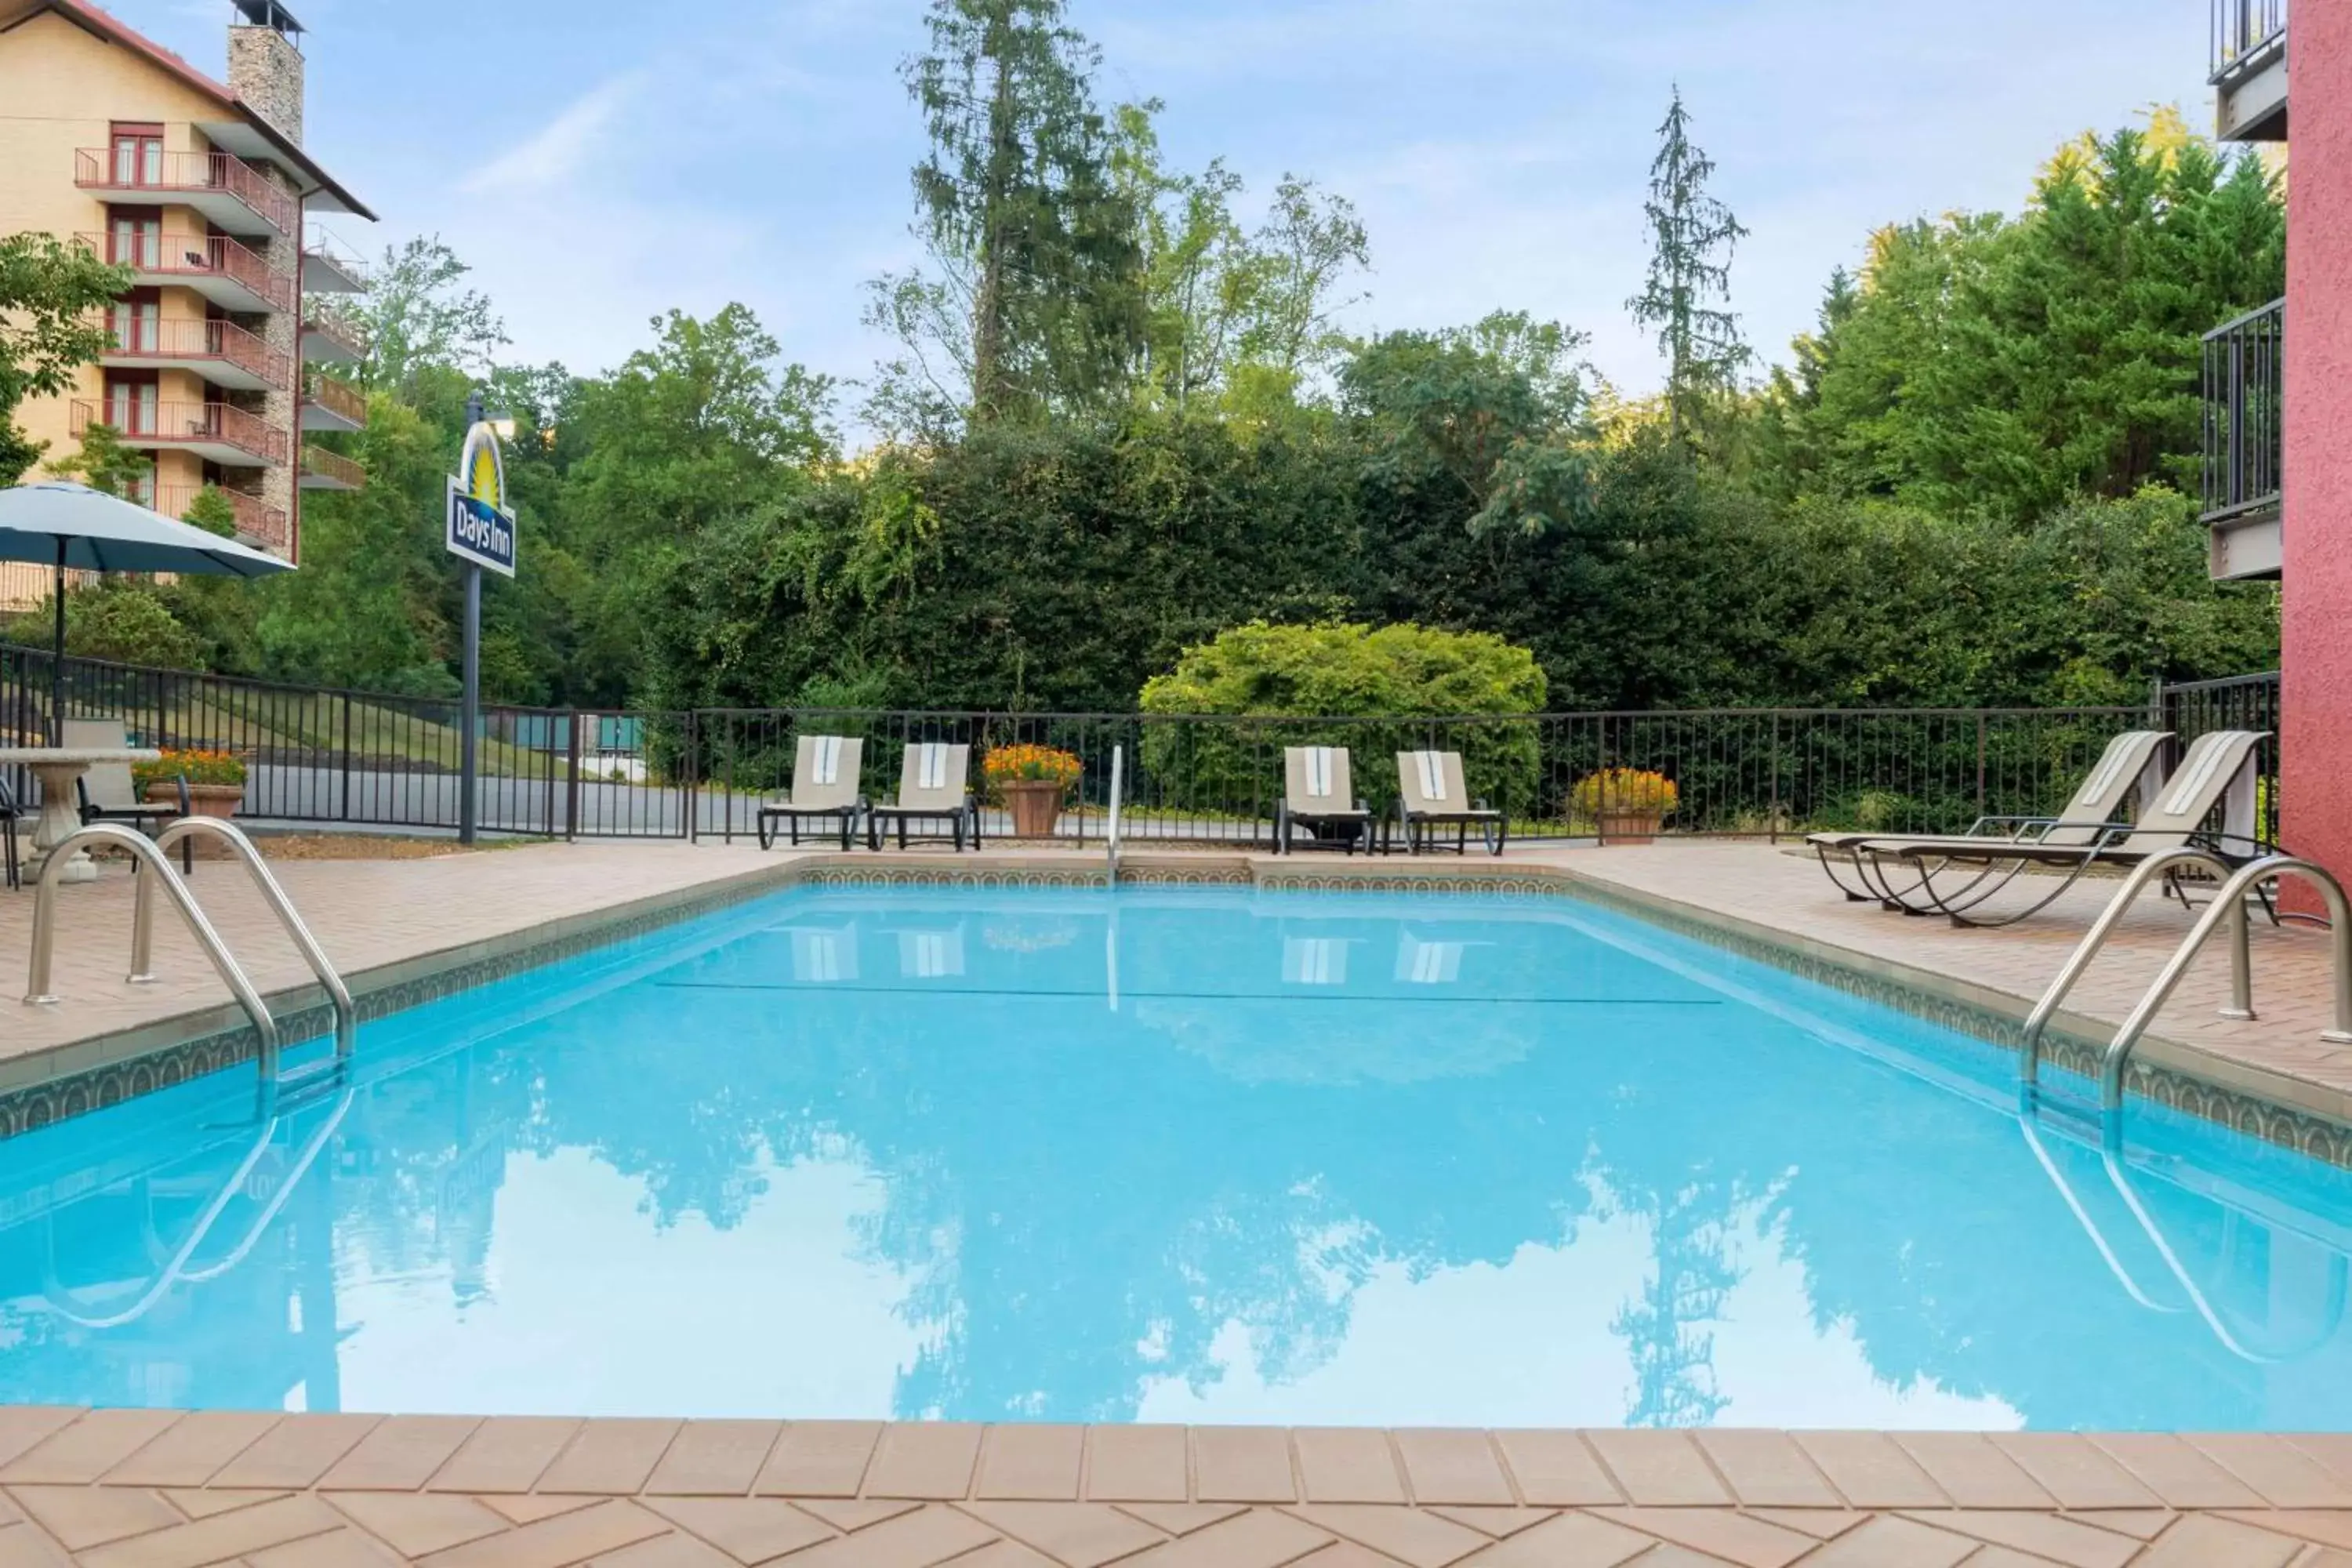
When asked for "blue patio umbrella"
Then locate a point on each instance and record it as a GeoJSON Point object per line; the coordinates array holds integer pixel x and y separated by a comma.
{"type": "Point", "coordinates": [71, 527]}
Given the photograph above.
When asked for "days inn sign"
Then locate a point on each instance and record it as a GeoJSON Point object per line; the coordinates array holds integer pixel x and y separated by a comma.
{"type": "Point", "coordinates": [480, 529]}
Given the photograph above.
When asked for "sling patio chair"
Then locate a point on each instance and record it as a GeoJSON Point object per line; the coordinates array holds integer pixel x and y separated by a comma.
{"type": "Point", "coordinates": [932, 787]}
{"type": "Point", "coordinates": [10, 814]}
{"type": "Point", "coordinates": [2131, 761]}
{"type": "Point", "coordinates": [1431, 794]}
{"type": "Point", "coordinates": [1319, 795]}
{"type": "Point", "coordinates": [2216, 773]}
{"type": "Point", "coordinates": [825, 786]}
{"type": "Point", "coordinates": [106, 792]}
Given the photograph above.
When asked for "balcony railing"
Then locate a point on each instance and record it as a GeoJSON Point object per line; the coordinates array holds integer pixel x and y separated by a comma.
{"type": "Point", "coordinates": [212, 424]}
{"type": "Point", "coordinates": [334, 470]}
{"type": "Point", "coordinates": [330, 267]}
{"type": "Point", "coordinates": [2245, 379]}
{"type": "Point", "coordinates": [148, 338]}
{"type": "Point", "coordinates": [343, 337]}
{"type": "Point", "coordinates": [254, 519]}
{"type": "Point", "coordinates": [339, 399]}
{"type": "Point", "coordinates": [2246, 33]}
{"type": "Point", "coordinates": [205, 174]}
{"type": "Point", "coordinates": [195, 260]}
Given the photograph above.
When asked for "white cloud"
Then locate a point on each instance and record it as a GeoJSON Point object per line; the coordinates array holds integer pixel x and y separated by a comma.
{"type": "Point", "coordinates": [562, 146]}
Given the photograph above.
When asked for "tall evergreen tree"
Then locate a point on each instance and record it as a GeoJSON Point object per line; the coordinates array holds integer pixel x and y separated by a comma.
{"type": "Point", "coordinates": [1036, 243]}
{"type": "Point", "coordinates": [1692, 238]}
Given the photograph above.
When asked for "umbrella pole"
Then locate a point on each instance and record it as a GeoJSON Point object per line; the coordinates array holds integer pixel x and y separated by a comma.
{"type": "Point", "coordinates": [57, 652]}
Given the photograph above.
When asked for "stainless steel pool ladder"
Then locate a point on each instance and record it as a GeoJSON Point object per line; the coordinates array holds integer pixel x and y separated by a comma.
{"type": "Point", "coordinates": [2228, 905]}
{"type": "Point", "coordinates": [155, 870]}
{"type": "Point", "coordinates": [1117, 798]}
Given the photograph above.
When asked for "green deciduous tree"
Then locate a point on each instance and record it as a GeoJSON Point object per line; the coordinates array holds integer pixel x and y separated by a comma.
{"type": "Point", "coordinates": [49, 294]}
{"type": "Point", "coordinates": [418, 314]}
{"type": "Point", "coordinates": [103, 463]}
{"type": "Point", "coordinates": [1692, 236]}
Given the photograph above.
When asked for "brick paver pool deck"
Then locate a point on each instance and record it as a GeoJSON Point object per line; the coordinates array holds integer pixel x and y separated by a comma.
{"type": "Point", "coordinates": [155, 1489]}
{"type": "Point", "coordinates": [162, 1489]}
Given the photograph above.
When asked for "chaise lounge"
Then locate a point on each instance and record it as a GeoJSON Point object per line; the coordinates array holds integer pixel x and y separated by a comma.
{"type": "Point", "coordinates": [1318, 796]}
{"type": "Point", "coordinates": [2218, 772]}
{"type": "Point", "coordinates": [824, 788]}
{"type": "Point", "coordinates": [1431, 794]}
{"type": "Point", "coordinates": [932, 787]}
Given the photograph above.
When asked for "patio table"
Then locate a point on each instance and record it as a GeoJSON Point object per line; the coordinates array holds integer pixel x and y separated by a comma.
{"type": "Point", "coordinates": [58, 767]}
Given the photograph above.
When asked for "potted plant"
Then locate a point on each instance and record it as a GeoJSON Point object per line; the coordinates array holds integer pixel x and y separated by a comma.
{"type": "Point", "coordinates": [1031, 782]}
{"type": "Point", "coordinates": [216, 781]}
{"type": "Point", "coordinates": [1628, 805]}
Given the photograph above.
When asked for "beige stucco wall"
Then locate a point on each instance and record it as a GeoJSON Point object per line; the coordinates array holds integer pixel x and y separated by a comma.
{"type": "Point", "coordinates": [60, 88]}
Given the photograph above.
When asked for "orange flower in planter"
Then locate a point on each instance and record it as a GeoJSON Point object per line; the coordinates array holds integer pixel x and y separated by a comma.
{"type": "Point", "coordinates": [198, 767]}
{"type": "Point", "coordinates": [1030, 765]}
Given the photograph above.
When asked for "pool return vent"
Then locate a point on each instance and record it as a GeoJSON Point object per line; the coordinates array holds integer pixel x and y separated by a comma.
{"type": "Point", "coordinates": [2229, 906]}
{"type": "Point", "coordinates": [153, 870]}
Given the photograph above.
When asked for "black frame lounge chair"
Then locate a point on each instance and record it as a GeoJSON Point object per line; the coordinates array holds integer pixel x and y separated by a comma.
{"type": "Point", "coordinates": [105, 793]}
{"type": "Point", "coordinates": [1331, 813]}
{"type": "Point", "coordinates": [946, 796]}
{"type": "Point", "coordinates": [825, 786]}
{"type": "Point", "coordinates": [2217, 771]}
{"type": "Point", "coordinates": [11, 814]}
{"type": "Point", "coordinates": [2132, 761]}
{"type": "Point", "coordinates": [1431, 794]}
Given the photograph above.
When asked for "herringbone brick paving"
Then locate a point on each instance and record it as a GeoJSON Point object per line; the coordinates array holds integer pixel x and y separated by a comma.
{"type": "Point", "coordinates": [126, 1488]}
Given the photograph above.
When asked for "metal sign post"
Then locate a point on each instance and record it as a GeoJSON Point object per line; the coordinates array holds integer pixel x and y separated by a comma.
{"type": "Point", "coordinates": [481, 532]}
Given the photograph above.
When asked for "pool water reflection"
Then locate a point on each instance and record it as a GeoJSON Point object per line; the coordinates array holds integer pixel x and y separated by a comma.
{"type": "Point", "coordinates": [1180, 1155]}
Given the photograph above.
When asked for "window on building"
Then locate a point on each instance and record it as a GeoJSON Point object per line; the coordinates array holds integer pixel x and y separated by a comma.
{"type": "Point", "coordinates": [138, 154]}
{"type": "Point", "coordinates": [135, 235]}
{"type": "Point", "coordinates": [136, 320]}
{"type": "Point", "coordinates": [130, 403]}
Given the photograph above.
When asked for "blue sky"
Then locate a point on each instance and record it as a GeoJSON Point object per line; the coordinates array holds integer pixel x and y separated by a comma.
{"type": "Point", "coordinates": [598, 161]}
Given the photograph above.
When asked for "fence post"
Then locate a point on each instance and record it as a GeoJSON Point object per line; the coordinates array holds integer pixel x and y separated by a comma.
{"type": "Point", "coordinates": [571, 790]}
{"type": "Point", "coordinates": [1980, 764]}
{"type": "Point", "coordinates": [1772, 799]}
{"type": "Point", "coordinates": [693, 793]}
{"type": "Point", "coordinates": [345, 815]}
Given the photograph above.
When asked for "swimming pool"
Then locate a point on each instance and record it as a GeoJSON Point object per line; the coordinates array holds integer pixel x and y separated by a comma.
{"type": "Point", "coordinates": [1184, 1154]}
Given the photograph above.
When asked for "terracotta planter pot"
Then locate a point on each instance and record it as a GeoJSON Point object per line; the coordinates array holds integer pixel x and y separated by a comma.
{"type": "Point", "coordinates": [1629, 826]}
{"type": "Point", "coordinates": [1035, 804]}
{"type": "Point", "coordinates": [204, 800]}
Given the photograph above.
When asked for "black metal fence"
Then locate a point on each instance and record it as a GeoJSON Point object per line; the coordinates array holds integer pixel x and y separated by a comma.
{"type": "Point", "coordinates": [379, 760]}
{"type": "Point", "coordinates": [2245, 32]}
{"type": "Point", "coordinates": [2244, 702]}
{"type": "Point", "coordinates": [2245, 384]}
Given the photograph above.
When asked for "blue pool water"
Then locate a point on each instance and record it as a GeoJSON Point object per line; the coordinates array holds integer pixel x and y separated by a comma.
{"type": "Point", "coordinates": [1181, 1154]}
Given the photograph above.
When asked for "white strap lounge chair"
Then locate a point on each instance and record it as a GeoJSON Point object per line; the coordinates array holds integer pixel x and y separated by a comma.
{"type": "Point", "coordinates": [2218, 772]}
{"type": "Point", "coordinates": [2132, 761]}
{"type": "Point", "coordinates": [932, 787]}
{"type": "Point", "coordinates": [825, 785]}
{"type": "Point", "coordinates": [1318, 794]}
{"type": "Point", "coordinates": [1431, 794]}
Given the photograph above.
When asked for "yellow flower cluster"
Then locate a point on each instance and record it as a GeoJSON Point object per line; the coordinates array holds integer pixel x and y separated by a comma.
{"type": "Point", "coordinates": [1627, 790]}
{"type": "Point", "coordinates": [1017, 764]}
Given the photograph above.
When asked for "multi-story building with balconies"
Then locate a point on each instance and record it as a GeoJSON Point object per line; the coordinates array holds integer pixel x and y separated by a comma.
{"type": "Point", "coordinates": [227, 349]}
{"type": "Point", "coordinates": [2278, 443]}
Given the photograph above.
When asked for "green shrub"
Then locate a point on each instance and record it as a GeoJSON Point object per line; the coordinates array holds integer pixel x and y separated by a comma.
{"type": "Point", "coordinates": [1376, 691]}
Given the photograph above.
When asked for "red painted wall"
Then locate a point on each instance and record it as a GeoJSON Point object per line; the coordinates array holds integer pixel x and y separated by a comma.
{"type": "Point", "coordinates": [2316, 790]}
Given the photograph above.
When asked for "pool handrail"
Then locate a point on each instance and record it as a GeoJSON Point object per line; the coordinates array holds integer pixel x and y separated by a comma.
{"type": "Point", "coordinates": [2230, 902]}
{"type": "Point", "coordinates": [1117, 796]}
{"type": "Point", "coordinates": [2165, 862]}
{"type": "Point", "coordinates": [143, 925]}
{"type": "Point", "coordinates": [152, 860]}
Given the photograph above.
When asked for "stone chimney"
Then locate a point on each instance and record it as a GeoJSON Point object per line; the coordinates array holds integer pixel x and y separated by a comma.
{"type": "Point", "coordinates": [265, 67]}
